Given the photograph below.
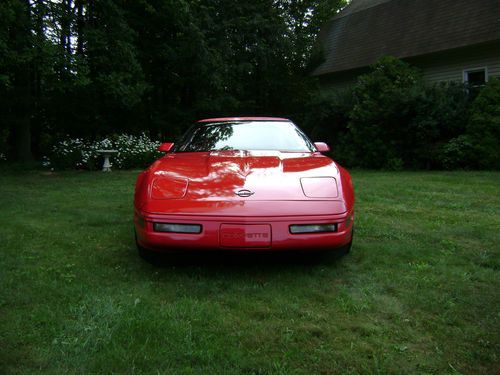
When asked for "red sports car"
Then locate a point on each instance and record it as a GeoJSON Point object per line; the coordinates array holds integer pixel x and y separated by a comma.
{"type": "Point", "coordinates": [247, 183]}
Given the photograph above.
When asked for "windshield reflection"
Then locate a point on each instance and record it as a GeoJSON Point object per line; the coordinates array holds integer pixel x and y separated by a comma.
{"type": "Point", "coordinates": [246, 135]}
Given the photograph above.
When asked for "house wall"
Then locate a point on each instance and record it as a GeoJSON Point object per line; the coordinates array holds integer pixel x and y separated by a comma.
{"type": "Point", "coordinates": [450, 66]}
{"type": "Point", "coordinates": [438, 67]}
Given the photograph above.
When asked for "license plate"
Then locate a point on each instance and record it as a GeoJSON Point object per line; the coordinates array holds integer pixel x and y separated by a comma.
{"type": "Point", "coordinates": [245, 235]}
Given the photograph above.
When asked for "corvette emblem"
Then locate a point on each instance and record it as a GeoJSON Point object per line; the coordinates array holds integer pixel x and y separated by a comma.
{"type": "Point", "coordinates": [244, 193]}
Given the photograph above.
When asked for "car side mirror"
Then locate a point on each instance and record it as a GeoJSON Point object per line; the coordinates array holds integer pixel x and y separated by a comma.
{"type": "Point", "coordinates": [165, 147]}
{"type": "Point", "coordinates": [321, 146]}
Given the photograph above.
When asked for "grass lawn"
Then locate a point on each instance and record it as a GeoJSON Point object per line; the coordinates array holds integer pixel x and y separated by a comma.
{"type": "Point", "coordinates": [419, 293]}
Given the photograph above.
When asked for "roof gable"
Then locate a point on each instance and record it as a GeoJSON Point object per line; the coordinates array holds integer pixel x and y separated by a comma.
{"type": "Point", "coordinates": [368, 29]}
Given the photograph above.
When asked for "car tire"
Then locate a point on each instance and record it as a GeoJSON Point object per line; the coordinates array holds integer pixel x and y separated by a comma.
{"type": "Point", "coordinates": [144, 253]}
{"type": "Point", "coordinates": [338, 252]}
{"type": "Point", "coordinates": [344, 250]}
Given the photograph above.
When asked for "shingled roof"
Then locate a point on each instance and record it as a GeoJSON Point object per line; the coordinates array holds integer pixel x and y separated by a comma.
{"type": "Point", "coordinates": [368, 29]}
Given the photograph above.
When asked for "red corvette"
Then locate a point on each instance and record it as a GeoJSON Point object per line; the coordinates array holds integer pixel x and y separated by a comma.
{"type": "Point", "coordinates": [249, 183]}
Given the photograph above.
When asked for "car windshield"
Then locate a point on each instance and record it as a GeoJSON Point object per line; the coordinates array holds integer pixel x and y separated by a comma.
{"type": "Point", "coordinates": [246, 135]}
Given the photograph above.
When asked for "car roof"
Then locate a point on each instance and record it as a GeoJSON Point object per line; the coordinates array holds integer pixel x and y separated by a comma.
{"type": "Point", "coordinates": [223, 119]}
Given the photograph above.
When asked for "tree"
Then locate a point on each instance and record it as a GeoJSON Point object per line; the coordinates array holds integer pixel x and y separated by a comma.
{"type": "Point", "coordinates": [17, 66]}
{"type": "Point", "coordinates": [93, 67]}
{"type": "Point", "coordinates": [483, 128]}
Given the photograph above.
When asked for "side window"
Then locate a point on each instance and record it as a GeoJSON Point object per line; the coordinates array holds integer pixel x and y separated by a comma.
{"type": "Point", "coordinates": [476, 77]}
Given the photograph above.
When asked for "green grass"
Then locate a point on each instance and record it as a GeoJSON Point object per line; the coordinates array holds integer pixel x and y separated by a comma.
{"type": "Point", "coordinates": [419, 292]}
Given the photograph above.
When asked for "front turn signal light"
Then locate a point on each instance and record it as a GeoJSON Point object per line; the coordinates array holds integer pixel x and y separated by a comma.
{"type": "Point", "coordinates": [177, 228]}
{"type": "Point", "coordinates": [312, 228]}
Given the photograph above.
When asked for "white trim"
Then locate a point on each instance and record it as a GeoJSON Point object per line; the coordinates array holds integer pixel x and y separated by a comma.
{"type": "Point", "coordinates": [465, 73]}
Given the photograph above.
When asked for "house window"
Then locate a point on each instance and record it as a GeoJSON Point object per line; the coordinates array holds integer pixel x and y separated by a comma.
{"type": "Point", "coordinates": [476, 77]}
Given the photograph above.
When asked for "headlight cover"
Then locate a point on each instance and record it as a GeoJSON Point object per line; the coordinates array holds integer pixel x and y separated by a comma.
{"type": "Point", "coordinates": [319, 187]}
{"type": "Point", "coordinates": [169, 188]}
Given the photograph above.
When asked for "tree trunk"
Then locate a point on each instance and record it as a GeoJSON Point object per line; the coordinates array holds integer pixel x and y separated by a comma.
{"type": "Point", "coordinates": [69, 20]}
{"type": "Point", "coordinates": [22, 93]}
{"type": "Point", "coordinates": [80, 22]}
{"type": "Point", "coordinates": [22, 135]}
{"type": "Point", "coordinates": [39, 11]}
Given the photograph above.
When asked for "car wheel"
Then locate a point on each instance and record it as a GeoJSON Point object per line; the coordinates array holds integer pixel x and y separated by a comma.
{"type": "Point", "coordinates": [338, 252]}
{"type": "Point", "coordinates": [344, 250]}
{"type": "Point", "coordinates": [144, 253]}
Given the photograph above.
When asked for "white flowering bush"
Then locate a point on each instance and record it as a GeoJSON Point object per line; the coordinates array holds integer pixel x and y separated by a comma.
{"type": "Point", "coordinates": [2, 157]}
{"type": "Point", "coordinates": [133, 152]}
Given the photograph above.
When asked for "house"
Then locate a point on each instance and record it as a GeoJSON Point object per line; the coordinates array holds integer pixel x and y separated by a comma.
{"type": "Point", "coordinates": [449, 40]}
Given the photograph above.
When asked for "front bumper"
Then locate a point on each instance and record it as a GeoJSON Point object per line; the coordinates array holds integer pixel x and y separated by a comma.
{"type": "Point", "coordinates": [211, 236]}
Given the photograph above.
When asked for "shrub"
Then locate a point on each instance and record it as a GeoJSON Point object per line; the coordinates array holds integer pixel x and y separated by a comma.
{"type": "Point", "coordinates": [386, 100]}
{"type": "Point", "coordinates": [68, 153]}
{"type": "Point", "coordinates": [133, 152]}
{"type": "Point", "coordinates": [457, 153]}
{"type": "Point", "coordinates": [326, 118]}
{"type": "Point", "coordinates": [400, 122]}
{"type": "Point", "coordinates": [483, 128]}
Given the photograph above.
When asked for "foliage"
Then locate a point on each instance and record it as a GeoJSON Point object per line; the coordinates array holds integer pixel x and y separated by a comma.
{"type": "Point", "coordinates": [386, 122]}
{"type": "Point", "coordinates": [90, 68]}
{"type": "Point", "coordinates": [4, 135]}
{"type": "Point", "coordinates": [366, 124]}
{"type": "Point", "coordinates": [392, 119]}
{"type": "Point", "coordinates": [483, 128]}
{"type": "Point", "coordinates": [69, 154]}
{"type": "Point", "coordinates": [477, 146]}
{"type": "Point", "coordinates": [440, 114]}
{"type": "Point", "coordinates": [325, 118]}
{"type": "Point", "coordinates": [457, 152]}
{"type": "Point", "coordinates": [415, 296]}
{"type": "Point", "coordinates": [133, 152]}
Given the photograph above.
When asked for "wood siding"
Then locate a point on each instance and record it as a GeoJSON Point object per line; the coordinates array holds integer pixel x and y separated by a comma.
{"type": "Point", "coordinates": [450, 67]}
{"type": "Point", "coordinates": [368, 29]}
{"type": "Point", "coordinates": [444, 66]}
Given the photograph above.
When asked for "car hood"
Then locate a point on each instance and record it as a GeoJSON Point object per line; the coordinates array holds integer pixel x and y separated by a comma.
{"type": "Point", "coordinates": [253, 175]}
{"type": "Point", "coordinates": [225, 179]}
